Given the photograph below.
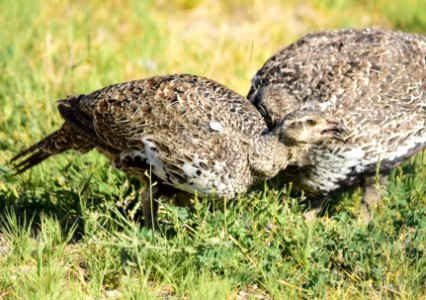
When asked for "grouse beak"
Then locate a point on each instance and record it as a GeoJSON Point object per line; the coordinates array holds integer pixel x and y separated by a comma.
{"type": "Point", "coordinates": [336, 130]}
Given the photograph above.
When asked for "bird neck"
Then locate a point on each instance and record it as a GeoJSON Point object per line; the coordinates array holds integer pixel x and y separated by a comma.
{"type": "Point", "coordinates": [268, 156]}
{"type": "Point", "coordinates": [271, 156]}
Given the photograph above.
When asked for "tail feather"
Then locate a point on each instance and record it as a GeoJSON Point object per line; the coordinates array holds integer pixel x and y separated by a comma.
{"type": "Point", "coordinates": [35, 158]}
{"type": "Point", "coordinates": [27, 151]}
{"type": "Point", "coordinates": [57, 142]}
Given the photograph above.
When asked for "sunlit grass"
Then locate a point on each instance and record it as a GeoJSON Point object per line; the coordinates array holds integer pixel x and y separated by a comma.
{"type": "Point", "coordinates": [66, 229]}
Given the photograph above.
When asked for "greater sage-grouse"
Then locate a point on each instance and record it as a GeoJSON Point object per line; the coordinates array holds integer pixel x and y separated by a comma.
{"type": "Point", "coordinates": [373, 80]}
{"type": "Point", "coordinates": [194, 134]}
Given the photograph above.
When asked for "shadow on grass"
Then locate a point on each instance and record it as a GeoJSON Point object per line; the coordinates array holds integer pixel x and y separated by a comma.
{"type": "Point", "coordinates": [69, 206]}
{"type": "Point", "coordinates": [72, 207]}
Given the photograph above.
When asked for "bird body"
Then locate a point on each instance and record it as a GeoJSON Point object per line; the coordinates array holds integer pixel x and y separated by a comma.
{"type": "Point", "coordinates": [194, 134]}
{"type": "Point", "coordinates": [373, 80]}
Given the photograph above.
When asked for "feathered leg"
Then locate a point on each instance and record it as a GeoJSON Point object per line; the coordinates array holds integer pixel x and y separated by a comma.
{"type": "Point", "coordinates": [150, 205]}
{"type": "Point", "coordinates": [372, 190]}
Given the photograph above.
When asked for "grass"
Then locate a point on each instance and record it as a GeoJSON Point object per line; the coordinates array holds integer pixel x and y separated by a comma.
{"type": "Point", "coordinates": [70, 227]}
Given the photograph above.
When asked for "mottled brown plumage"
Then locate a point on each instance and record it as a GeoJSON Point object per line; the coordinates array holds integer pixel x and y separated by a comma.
{"type": "Point", "coordinates": [194, 134]}
{"type": "Point", "coordinates": [373, 80]}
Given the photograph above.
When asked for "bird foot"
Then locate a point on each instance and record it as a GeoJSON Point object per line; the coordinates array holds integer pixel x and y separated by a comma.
{"type": "Point", "coordinates": [311, 214]}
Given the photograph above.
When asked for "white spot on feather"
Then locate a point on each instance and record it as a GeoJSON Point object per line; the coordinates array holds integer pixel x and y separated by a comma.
{"type": "Point", "coordinates": [153, 159]}
{"type": "Point", "coordinates": [189, 169]}
{"type": "Point", "coordinates": [207, 182]}
{"type": "Point", "coordinates": [216, 126]}
{"type": "Point", "coordinates": [356, 153]}
{"type": "Point", "coordinates": [318, 105]}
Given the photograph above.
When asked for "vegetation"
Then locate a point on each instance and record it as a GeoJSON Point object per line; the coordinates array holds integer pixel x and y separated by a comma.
{"type": "Point", "coordinates": [70, 228]}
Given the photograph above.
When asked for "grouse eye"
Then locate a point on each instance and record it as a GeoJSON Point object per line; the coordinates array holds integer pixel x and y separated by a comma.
{"type": "Point", "coordinates": [311, 122]}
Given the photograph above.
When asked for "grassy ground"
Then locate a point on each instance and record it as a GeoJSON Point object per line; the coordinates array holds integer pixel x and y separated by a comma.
{"type": "Point", "coordinates": [63, 233]}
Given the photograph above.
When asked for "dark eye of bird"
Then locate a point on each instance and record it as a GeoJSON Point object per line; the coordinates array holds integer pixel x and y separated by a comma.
{"type": "Point", "coordinates": [311, 122]}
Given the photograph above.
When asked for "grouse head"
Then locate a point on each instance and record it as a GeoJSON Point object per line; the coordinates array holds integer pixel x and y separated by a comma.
{"type": "Point", "coordinates": [308, 127]}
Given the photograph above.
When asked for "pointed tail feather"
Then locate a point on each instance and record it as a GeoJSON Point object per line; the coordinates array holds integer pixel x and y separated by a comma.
{"type": "Point", "coordinates": [37, 157]}
{"type": "Point", "coordinates": [37, 153]}
{"type": "Point", "coordinates": [57, 142]}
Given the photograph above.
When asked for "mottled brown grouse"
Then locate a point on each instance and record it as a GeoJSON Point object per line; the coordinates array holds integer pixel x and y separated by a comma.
{"type": "Point", "coordinates": [195, 134]}
{"type": "Point", "coordinates": [373, 80]}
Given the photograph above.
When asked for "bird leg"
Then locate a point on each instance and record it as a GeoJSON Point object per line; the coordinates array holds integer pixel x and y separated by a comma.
{"type": "Point", "coordinates": [372, 190]}
{"type": "Point", "coordinates": [150, 205]}
{"type": "Point", "coordinates": [150, 195]}
{"type": "Point", "coordinates": [315, 206]}
{"type": "Point", "coordinates": [311, 214]}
